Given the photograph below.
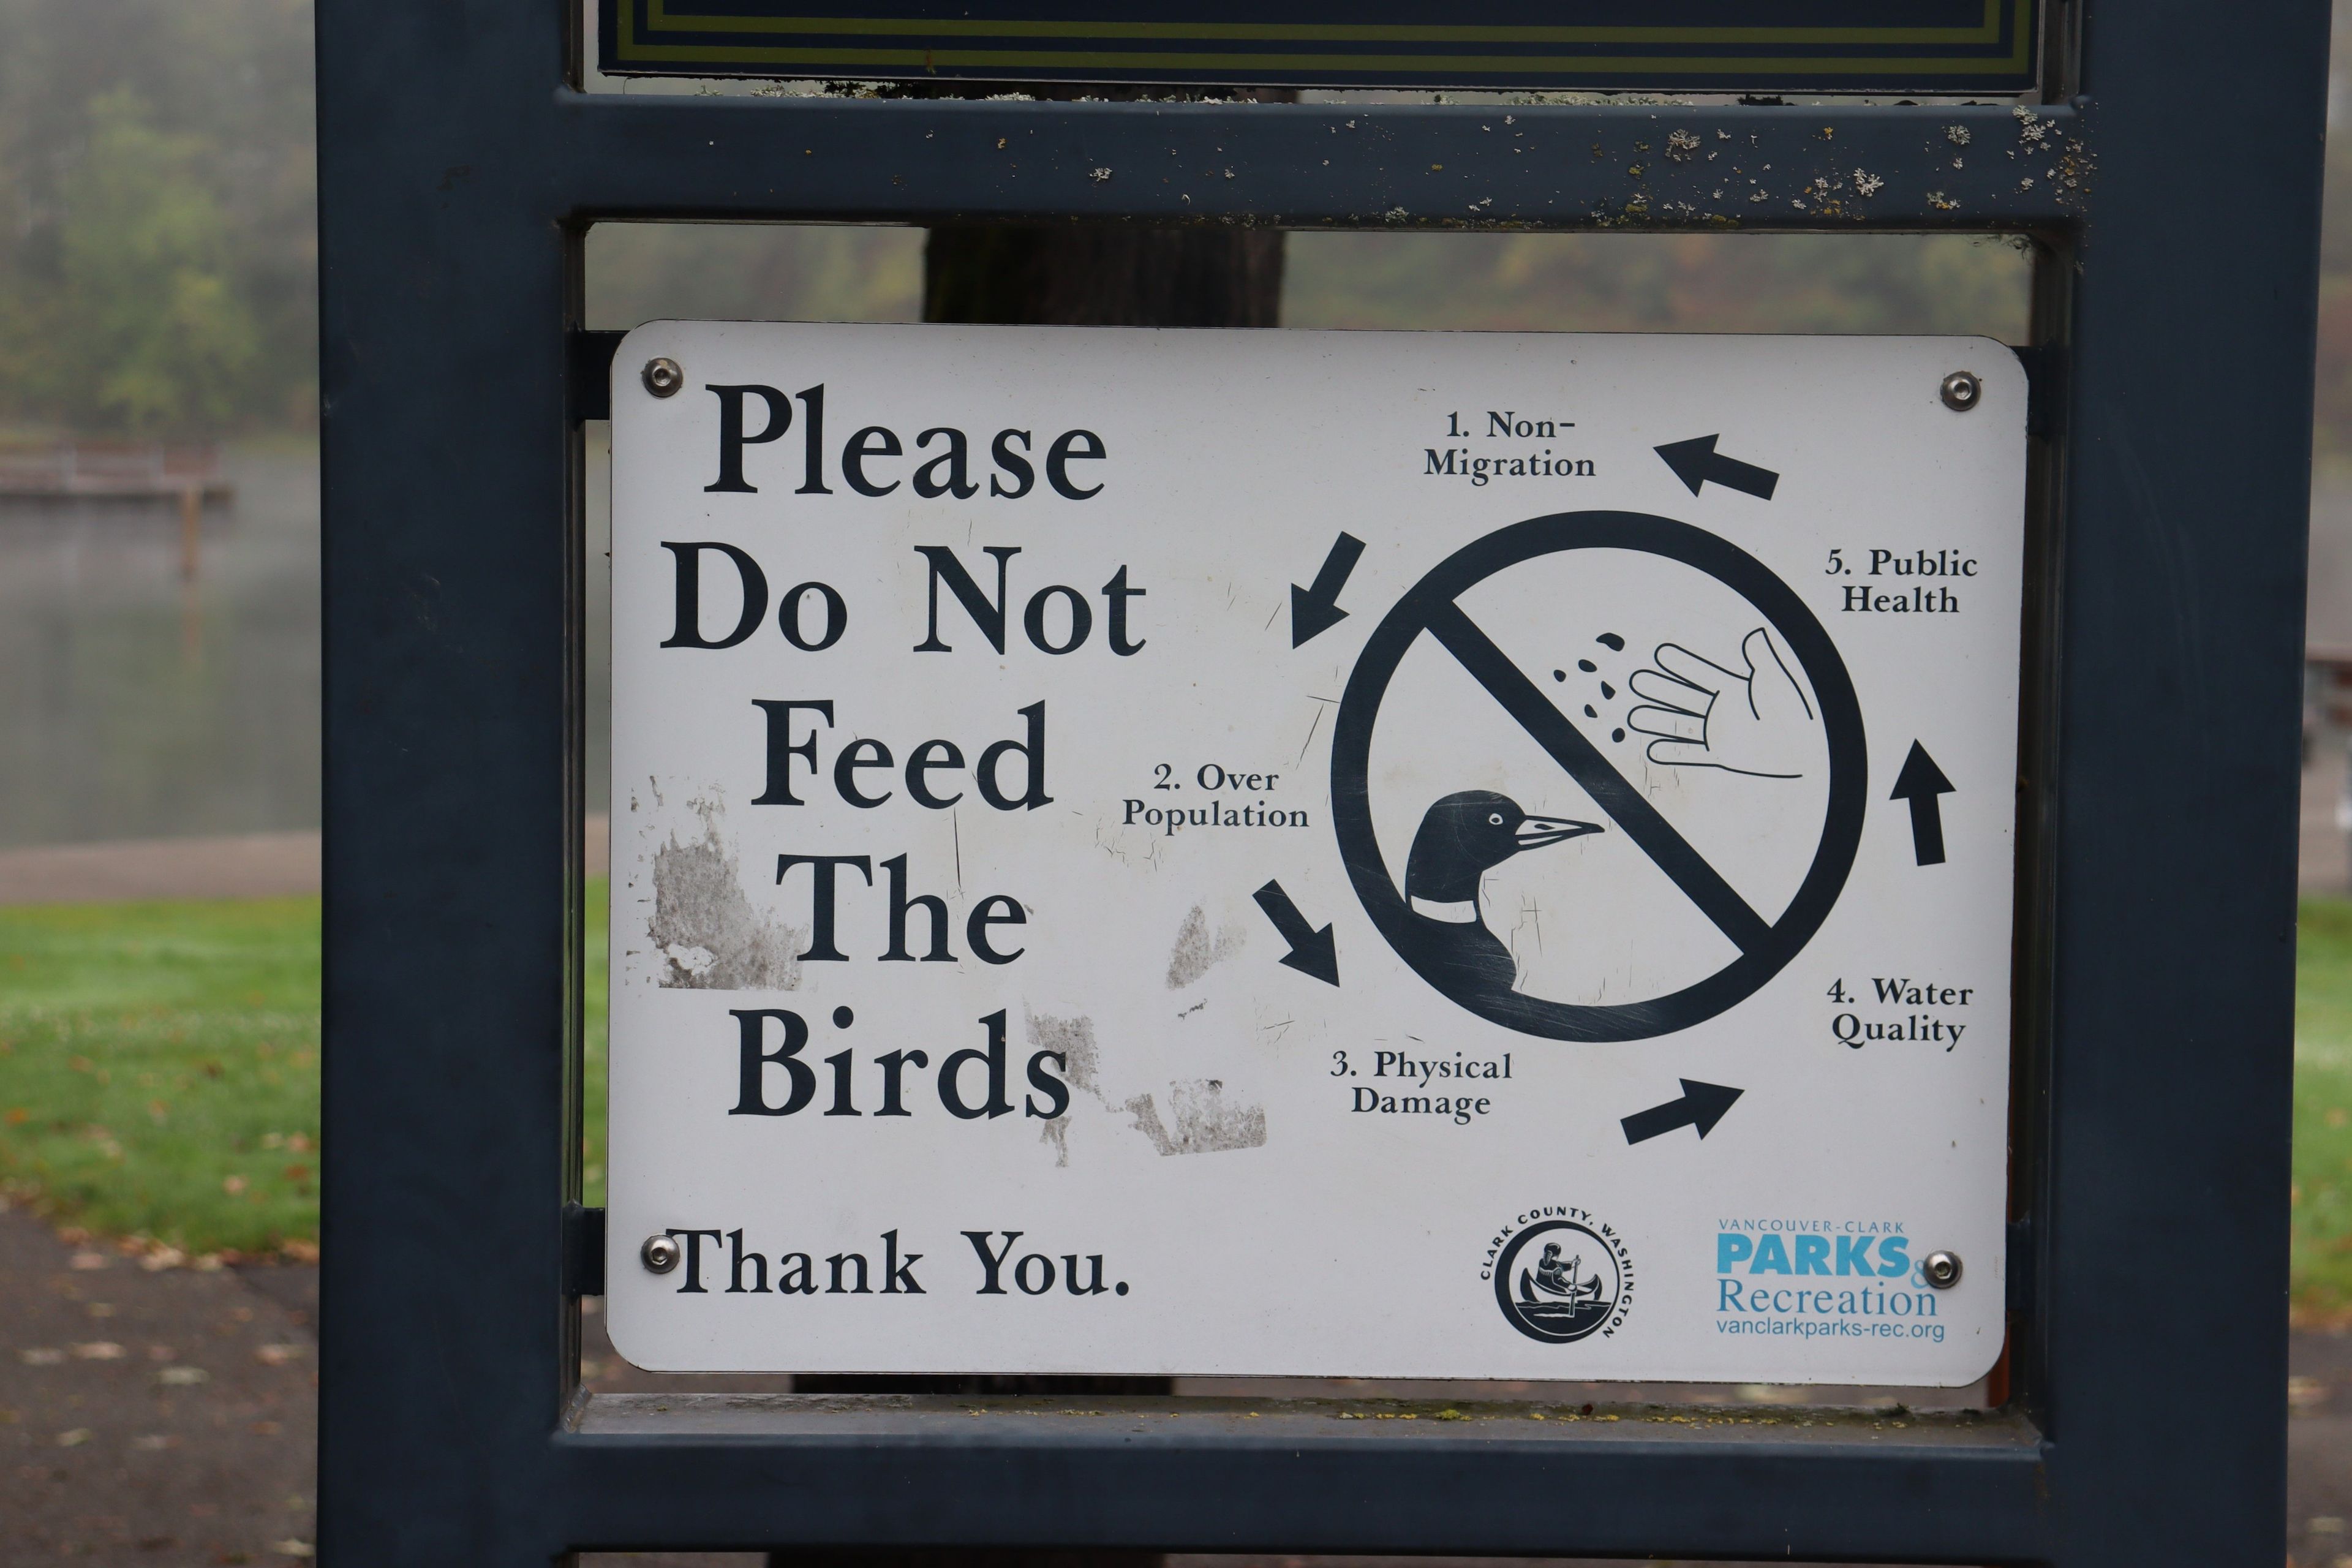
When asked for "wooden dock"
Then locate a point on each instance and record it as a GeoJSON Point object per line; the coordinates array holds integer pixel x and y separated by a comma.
{"type": "Point", "coordinates": [122, 470]}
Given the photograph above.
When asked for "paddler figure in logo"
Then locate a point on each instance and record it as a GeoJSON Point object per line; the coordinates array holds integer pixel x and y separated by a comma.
{"type": "Point", "coordinates": [1553, 1293]}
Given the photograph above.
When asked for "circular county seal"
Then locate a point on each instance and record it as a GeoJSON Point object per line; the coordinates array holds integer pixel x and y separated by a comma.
{"type": "Point", "coordinates": [1561, 1279]}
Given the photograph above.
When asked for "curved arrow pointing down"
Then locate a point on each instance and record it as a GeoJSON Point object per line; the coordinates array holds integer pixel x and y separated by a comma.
{"type": "Point", "coordinates": [1312, 951]}
{"type": "Point", "coordinates": [1315, 609]}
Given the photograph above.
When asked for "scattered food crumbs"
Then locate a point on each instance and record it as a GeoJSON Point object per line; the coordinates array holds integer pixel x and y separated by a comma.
{"type": "Point", "coordinates": [76, 1437]}
{"type": "Point", "coordinates": [98, 1350]}
{"type": "Point", "coordinates": [41, 1356]}
{"type": "Point", "coordinates": [183, 1376]}
{"type": "Point", "coordinates": [292, 1549]}
{"type": "Point", "coordinates": [277, 1355]}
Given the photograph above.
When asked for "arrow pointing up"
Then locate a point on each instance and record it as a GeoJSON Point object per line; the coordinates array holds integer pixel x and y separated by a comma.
{"type": "Point", "coordinates": [1921, 781]}
{"type": "Point", "coordinates": [1701, 1106]}
{"type": "Point", "coordinates": [1698, 462]}
{"type": "Point", "coordinates": [1311, 951]}
{"type": "Point", "coordinates": [1315, 608]}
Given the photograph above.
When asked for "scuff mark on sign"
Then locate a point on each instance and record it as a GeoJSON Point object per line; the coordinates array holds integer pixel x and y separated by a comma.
{"type": "Point", "coordinates": [1075, 1040]}
{"type": "Point", "coordinates": [709, 936]}
{"type": "Point", "coordinates": [1196, 953]}
{"type": "Point", "coordinates": [1206, 1122]}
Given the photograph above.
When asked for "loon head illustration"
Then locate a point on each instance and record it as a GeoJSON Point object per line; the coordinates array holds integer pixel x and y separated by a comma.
{"type": "Point", "coordinates": [1464, 835]}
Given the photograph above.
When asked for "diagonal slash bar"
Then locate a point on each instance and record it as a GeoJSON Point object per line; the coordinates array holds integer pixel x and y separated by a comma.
{"type": "Point", "coordinates": [1491, 668]}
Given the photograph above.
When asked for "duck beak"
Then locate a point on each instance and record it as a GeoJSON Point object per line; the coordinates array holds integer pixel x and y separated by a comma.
{"type": "Point", "coordinates": [1537, 831]}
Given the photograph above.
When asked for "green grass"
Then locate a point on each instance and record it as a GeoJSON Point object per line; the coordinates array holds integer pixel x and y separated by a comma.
{"type": "Point", "coordinates": [159, 1069]}
{"type": "Point", "coordinates": [159, 1076]}
{"type": "Point", "coordinates": [2323, 1111]}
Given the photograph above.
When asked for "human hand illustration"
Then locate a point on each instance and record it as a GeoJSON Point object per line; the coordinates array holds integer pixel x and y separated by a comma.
{"type": "Point", "coordinates": [1702, 715]}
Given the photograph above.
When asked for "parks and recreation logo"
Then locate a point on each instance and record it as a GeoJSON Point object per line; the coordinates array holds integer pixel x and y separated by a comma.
{"type": "Point", "coordinates": [1560, 1274]}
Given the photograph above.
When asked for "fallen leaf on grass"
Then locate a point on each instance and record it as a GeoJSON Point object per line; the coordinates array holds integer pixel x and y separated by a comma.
{"type": "Point", "coordinates": [232, 1185]}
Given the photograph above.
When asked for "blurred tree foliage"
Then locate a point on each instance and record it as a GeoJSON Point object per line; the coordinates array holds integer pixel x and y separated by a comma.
{"type": "Point", "coordinates": [158, 255]}
{"type": "Point", "coordinates": [158, 265]}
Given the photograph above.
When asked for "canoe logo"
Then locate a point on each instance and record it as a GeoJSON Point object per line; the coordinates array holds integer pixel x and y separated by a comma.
{"type": "Point", "coordinates": [1562, 1275]}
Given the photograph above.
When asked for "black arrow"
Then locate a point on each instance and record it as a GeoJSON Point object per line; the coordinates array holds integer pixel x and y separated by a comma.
{"type": "Point", "coordinates": [1311, 951]}
{"type": "Point", "coordinates": [1701, 1106]}
{"type": "Point", "coordinates": [1316, 609]}
{"type": "Point", "coordinates": [1920, 783]}
{"type": "Point", "coordinates": [1697, 462]}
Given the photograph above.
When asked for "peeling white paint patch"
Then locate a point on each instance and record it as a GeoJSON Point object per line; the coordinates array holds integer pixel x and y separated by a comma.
{"type": "Point", "coordinates": [1206, 1122]}
{"type": "Point", "coordinates": [709, 936]}
{"type": "Point", "coordinates": [1195, 953]}
{"type": "Point", "coordinates": [1057, 1133]}
{"type": "Point", "coordinates": [1075, 1040]}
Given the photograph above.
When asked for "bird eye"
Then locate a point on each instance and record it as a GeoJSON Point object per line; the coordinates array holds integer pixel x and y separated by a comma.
{"type": "Point", "coordinates": [1497, 818]}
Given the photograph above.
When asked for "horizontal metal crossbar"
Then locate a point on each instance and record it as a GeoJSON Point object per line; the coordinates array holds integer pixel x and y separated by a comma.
{"type": "Point", "coordinates": [1718, 168]}
{"type": "Point", "coordinates": [719, 1471]}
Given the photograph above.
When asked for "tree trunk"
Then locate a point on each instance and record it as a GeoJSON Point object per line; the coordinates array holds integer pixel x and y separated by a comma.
{"type": "Point", "coordinates": [1104, 276]}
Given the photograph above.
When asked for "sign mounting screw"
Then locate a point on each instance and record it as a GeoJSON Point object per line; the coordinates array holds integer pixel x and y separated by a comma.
{"type": "Point", "coordinates": [663, 378]}
{"type": "Point", "coordinates": [1942, 1268]}
{"type": "Point", "coordinates": [1962, 391]}
{"type": "Point", "coordinates": [660, 1253]}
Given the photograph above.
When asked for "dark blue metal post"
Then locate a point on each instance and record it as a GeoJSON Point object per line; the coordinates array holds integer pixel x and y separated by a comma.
{"type": "Point", "coordinates": [2176, 202]}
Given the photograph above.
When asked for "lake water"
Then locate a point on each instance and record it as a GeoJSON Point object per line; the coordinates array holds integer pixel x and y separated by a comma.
{"type": "Point", "coordinates": [135, 706]}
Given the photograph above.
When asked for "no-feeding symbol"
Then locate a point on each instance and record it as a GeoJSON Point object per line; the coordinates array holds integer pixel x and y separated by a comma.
{"type": "Point", "coordinates": [1466, 832]}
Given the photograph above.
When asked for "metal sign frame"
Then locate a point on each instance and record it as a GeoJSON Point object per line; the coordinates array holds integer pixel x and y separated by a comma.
{"type": "Point", "coordinates": [459, 168]}
{"type": "Point", "coordinates": [1950, 46]}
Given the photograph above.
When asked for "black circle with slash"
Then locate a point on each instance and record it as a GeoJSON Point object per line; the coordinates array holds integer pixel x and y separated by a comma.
{"type": "Point", "coordinates": [1430, 606]}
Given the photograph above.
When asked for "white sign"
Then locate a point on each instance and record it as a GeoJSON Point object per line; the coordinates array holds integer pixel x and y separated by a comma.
{"type": "Point", "coordinates": [1317, 854]}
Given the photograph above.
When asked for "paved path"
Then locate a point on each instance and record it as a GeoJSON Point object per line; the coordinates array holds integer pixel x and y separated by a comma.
{"type": "Point", "coordinates": [157, 1418]}
{"type": "Point", "coordinates": [244, 865]}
